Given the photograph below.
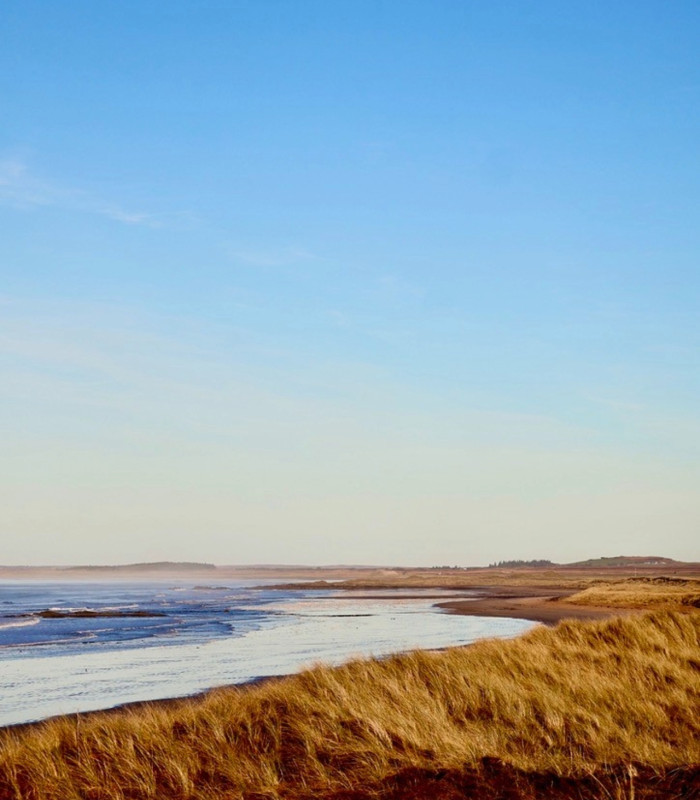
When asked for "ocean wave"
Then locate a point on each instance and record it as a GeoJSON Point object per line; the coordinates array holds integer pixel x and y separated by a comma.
{"type": "Point", "coordinates": [82, 638]}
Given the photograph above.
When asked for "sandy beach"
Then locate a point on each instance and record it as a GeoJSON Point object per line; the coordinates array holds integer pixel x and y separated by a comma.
{"type": "Point", "coordinates": [530, 603]}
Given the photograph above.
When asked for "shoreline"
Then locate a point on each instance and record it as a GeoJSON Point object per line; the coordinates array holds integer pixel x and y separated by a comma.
{"type": "Point", "coordinates": [524, 603]}
{"type": "Point", "coordinates": [92, 680]}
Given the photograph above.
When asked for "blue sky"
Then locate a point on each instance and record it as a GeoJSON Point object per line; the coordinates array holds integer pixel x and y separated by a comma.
{"type": "Point", "coordinates": [349, 282]}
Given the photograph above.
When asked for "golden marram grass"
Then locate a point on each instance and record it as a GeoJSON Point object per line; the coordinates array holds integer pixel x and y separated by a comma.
{"type": "Point", "coordinates": [569, 701]}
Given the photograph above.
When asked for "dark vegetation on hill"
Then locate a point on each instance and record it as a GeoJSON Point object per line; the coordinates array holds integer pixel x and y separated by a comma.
{"type": "Point", "coordinates": [614, 561]}
{"type": "Point", "coordinates": [626, 561]}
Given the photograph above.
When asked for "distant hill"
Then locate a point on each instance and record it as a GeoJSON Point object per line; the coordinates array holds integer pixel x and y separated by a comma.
{"type": "Point", "coordinates": [626, 561]}
{"type": "Point", "coordinates": [593, 563]}
{"type": "Point", "coordinates": [152, 566]}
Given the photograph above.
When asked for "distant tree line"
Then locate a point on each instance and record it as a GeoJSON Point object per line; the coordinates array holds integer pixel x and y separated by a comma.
{"type": "Point", "coordinates": [538, 562]}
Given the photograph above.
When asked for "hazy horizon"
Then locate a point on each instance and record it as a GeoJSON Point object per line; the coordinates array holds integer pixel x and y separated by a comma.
{"type": "Point", "coordinates": [192, 566]}
{"type": "Point", "coordinates": [303, 282]}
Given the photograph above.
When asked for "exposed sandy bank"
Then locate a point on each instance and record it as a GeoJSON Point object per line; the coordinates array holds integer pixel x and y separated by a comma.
{"type": "Point", "coordinates": [529, 603]}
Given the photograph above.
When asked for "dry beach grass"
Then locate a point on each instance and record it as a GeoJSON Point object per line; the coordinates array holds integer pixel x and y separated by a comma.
{"type": "Point", "coordinates": [658, 592]}
{"type": "Point", "coordinates": [595, 709]}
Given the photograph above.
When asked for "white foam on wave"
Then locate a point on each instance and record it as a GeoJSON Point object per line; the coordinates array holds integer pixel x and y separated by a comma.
{"type": "Point", "coordinates": [23, 623]}
{"type": "Point", "coordinates": [309, 632]}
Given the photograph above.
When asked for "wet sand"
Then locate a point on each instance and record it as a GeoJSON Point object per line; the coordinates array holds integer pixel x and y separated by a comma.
{"type": "Point", "coordinates": [530, 603]}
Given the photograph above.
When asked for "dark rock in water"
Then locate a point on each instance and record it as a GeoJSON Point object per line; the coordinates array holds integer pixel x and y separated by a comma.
{"type": "Point", "coordinates": [212, 588]}
{"type": "Point", "coordinates": [51, 613]}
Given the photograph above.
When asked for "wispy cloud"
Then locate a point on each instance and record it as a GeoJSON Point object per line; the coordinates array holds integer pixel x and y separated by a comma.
{"type": "Point", "coordinates": [271, 257]}
{"type": "Point", "coordinates": [21, 187]}
{"type": "Point", "coordinates": [128, 217]}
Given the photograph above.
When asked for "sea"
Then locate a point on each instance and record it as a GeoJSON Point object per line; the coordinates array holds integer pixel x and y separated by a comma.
{"type": "Point", "coordinates": [72, 647]}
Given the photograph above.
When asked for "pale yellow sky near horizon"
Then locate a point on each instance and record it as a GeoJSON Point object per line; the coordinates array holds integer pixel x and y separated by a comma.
{"type": "Point", "coordinates": [126, 448]}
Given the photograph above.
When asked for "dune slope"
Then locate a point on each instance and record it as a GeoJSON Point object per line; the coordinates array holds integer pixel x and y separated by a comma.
{"type": "Point", "coordinates": [602, 709]}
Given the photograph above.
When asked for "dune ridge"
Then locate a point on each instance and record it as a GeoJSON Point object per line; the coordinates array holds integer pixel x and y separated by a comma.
{"type": "Point", "coordinates": [611, 703]}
